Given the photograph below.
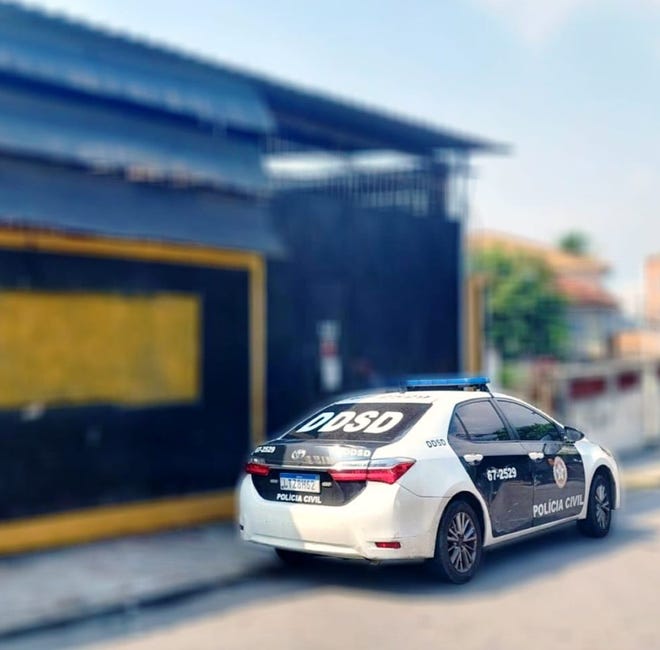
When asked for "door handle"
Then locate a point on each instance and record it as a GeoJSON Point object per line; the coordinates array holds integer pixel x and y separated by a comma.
{"type": "Point", "coordinates": [473, 459]}
{"type": "Point", "coordinates": [536, 455]}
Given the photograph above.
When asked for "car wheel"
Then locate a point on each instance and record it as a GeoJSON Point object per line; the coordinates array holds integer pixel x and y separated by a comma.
{"type": "Point", "coordinates": [291, 558]}
{"type": "Point", "coordinates": [599, 508]}
{"type": "Point", "coordinates": [458, 546]}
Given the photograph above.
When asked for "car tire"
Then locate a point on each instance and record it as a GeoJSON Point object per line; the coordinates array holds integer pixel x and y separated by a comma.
{"type": "Point", "coordinates": [459, 544]}
{"type": "Point", "coordinates": [599, 508]}
{"type": "Point", "coordinates": [291, 558]}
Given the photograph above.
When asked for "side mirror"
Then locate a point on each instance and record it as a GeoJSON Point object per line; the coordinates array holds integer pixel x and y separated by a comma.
{"type": "Point", "coordinates": [571, 434]}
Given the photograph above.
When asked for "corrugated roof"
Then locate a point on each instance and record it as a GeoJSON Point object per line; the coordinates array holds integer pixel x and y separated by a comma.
{"type": "Point", "coordinates": [71, 54]}
{"type": "Point", "coordinates": [99, 137]}
{"type": "Point", "coordinates": [108, 206]}
{"type": "Point", "coordinates": [319, 120]}
{"type": "Point", "coordinates": [58, 51]}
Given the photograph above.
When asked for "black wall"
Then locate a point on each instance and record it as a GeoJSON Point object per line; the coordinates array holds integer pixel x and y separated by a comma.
{"type": "Point", "coordinates": [79, 456]}
{"type": "Point", "coordinates": [389, 278]}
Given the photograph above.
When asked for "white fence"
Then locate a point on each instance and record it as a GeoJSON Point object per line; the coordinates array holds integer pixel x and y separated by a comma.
{"type": "Point", "coordinates": [615, 403]}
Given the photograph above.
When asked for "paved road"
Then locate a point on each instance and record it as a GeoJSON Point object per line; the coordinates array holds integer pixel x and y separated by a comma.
{"type": "Point", "coordinates": [556, 591]}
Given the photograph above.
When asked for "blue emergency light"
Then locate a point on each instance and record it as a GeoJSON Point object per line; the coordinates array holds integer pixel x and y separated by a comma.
{"type": "Point", "coordinates": [447, 383]}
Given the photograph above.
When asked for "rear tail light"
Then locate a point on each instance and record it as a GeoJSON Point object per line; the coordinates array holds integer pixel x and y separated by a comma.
{"type": "Point", "coordinates": [385, 470]}
{"type": "Point", "coordinates": [257, 469]}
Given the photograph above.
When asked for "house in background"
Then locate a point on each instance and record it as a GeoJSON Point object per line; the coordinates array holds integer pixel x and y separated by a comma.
{"type": "Point", "coordinates": [593, 312]}
{"type": "Point", "coordinates": [652, 290]}
{"type": "Point", "coordinates": [643, 340]}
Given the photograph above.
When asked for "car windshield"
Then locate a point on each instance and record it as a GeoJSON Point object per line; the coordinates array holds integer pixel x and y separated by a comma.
{"type": "Point", "coordinates": [359, 422]}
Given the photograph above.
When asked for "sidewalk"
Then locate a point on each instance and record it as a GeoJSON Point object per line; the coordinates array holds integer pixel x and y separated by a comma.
{"type": "Point", "coordinates": [641, 471]}
{"type": "Point", "coordinates": [46, 589]}
{"type": "Point", "coordinates": [40, 590]}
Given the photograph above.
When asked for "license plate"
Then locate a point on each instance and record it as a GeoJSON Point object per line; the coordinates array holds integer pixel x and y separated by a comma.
{"type": "Point", "coordinates": [300, 482]}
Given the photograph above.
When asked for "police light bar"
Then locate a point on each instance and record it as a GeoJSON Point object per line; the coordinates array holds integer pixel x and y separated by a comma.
{"type": "Point", "coordinates": [447, 383]}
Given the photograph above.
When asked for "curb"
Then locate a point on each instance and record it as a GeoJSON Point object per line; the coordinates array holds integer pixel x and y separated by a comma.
{"type": "Point", "coordinates": [643, 480]}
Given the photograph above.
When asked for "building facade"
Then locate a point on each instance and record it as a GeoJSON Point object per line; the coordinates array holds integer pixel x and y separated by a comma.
{"type": "Point", "coordinates": [171, 291]}
{"type": "Point", "coordinates": [641, 338]}
{"type": "Point", "coordinates": [652, 290]}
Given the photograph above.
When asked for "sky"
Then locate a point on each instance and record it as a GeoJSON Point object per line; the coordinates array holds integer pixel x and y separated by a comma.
{"type": "Point", "coordinates": [571, 86]}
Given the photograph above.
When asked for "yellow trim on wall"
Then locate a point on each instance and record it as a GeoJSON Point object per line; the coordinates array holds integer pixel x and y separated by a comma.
{"type": "Point", "coordinates": [96, 523]}
{"type": "Point", "coordinates": [258, 350]}
{"type": "Point", "coordinates": [79, 347]}
{"type": "Point", "coordinates": [473, 298]}
{"type": "Point", "coordinates": [187, 255]}
{"type": "Point", "coordinates": [125, 249]}
{"type": "Point", "coordinates": [91, 524]}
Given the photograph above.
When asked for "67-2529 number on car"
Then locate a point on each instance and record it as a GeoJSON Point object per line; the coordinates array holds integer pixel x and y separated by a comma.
{"type": "Point", "coordinates": [501, 473]}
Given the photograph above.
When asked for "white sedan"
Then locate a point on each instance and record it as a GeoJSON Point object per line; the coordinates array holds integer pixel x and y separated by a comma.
{"type": "Point", "coordinates": [438, 470]}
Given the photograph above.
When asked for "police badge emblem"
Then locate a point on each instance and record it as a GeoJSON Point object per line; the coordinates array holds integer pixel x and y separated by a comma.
{"type": "Point", "coordinates": [560, 472]}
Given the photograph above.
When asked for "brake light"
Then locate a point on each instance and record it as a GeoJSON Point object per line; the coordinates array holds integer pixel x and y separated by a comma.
{"type": "Point", "coordinates": [257, 469]}
{"type": "Point", "coordinates": [389, 474]}
{"type": "Point", "coordinates": [387, 470]}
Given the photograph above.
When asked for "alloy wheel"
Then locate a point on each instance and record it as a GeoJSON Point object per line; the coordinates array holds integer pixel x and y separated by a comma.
{"type": "Point", "coordinates": [603, 506]}
{"type": "Point", "coordinates": [462, 542]}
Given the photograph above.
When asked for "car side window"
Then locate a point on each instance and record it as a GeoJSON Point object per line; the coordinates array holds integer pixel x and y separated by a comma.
{"type": "Point", "coordinates": [482, 421]}
{"type": "Point", "coordinates": [456, 428]}
{"type": "Point", "coordinates": [529, 424]}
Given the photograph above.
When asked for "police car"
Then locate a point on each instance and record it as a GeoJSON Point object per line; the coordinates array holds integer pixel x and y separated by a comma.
{"type": "Point", "coordinates": [438, 470]}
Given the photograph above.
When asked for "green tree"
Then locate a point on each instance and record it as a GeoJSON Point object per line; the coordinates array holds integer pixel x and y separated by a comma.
{"type": "Point", "coordinates": [525, 316]}
{"type": "Point", "coordinates": [574, 242]}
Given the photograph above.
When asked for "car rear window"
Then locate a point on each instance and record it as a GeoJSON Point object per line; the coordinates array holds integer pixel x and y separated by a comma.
{"type": "Point", "coordinates": [359, 422]}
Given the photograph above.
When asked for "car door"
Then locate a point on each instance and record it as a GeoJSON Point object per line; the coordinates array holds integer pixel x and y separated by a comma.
{"type": "Point", "coordinates": [557, 466]}
{"type": "Point", "coordinates": [496, 462]}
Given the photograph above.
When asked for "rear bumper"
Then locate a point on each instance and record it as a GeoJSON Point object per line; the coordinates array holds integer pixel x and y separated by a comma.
{"type": "Point", "coordinates": [380, 513]}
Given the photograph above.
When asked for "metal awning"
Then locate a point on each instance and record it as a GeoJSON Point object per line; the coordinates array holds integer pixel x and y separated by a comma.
{"type": "Point", "coordinates": [98, 137]}
{"type": "Point", "coordinates": [317, 121]}
{"type": "Point", "coordinates": [53, 50]}
{"type": "Point", "coordinates": [59, 198]}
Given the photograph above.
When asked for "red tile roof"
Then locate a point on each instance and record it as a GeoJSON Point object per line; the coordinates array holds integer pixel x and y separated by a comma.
{"type": "Point", "coordinates": [583, 292]}
{"type": "Point", "coordinates": [576, 276]}
{"type": "Point", "coordinates": [558, 261]}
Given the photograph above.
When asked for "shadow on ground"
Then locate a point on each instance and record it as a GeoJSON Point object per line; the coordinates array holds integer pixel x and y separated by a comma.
{"type": "Point", "coordinates": [503, 569]}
